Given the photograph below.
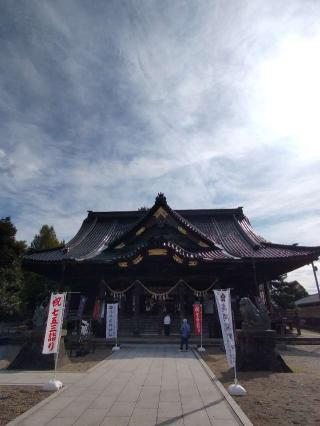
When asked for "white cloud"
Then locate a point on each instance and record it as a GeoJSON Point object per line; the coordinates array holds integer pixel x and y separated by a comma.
{"type": "Point", "coordinates": [105, 105]}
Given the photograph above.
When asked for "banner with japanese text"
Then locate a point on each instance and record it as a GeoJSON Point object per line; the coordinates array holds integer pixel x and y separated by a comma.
{"type": "Point", "coordinates": [197, 318]}
{"type": "Point", "coordinates": [54, 323]}
{"type": "Point", "coordinates": [223, 300]}
{"type": "Point", "coordinates": [112, 321]}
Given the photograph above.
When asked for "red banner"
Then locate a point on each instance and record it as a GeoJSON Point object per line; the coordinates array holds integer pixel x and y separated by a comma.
{"type": "Point", "coordinates": [197, 319]}
{"type": "Point", "coordinates": [54, 323]}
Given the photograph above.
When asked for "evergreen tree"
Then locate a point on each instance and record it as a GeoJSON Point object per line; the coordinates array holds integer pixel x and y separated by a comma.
{"type": "Point", "coordinates": [46, 239]}
{"type": "Point", "coordinates": [10, 248]}
{"type": "Point", "coordinates": [11, 281]}
{"type": "Point", "coordinates": [11, 277]}
{"type": "Point", "coordinates": [34, 291]}
{"type": "Point", "coordinates": [20, 291]}
{"type": "Point", "coordinates": [285, 293]}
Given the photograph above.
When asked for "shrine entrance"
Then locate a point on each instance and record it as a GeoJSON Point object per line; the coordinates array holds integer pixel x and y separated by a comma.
{"type": "Point", "coordinates": [142, 309]}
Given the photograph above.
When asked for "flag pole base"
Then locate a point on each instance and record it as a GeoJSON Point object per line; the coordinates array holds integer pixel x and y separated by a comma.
{"type": "Point", "coordinates": [116, 348]}
{"type": "Point", "coordinates": [237, 390]}
{"type": "Point", "coordinates": [201, 349]}
{"type": "Point", "coordinates": [52, 385]}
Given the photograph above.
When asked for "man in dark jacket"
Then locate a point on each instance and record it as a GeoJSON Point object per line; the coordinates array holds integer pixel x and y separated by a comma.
{"type": "Point", "coordinates": [185, 333]}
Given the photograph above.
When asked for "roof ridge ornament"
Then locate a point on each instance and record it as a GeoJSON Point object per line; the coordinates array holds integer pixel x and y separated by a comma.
{"type": "Point", "coordinates": [161, 199]}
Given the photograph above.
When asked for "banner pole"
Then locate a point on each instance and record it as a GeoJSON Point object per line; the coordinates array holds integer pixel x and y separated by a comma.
{"type": "Point", "coordinates": [55, 384]}
{"type": "Point", "coordinates": [201, 349]}
{"type": "Point", "coordinates": [223, 300]}
{"type": "Point", "coordinates": [235, 375]}
{"type": "Point", "coordinates": [116, 347]}
{"type": "Point", "coordinates": [117, 336]}
{"type": "Point", "coordinates": [235, 361]}
{"type": "Point", "coordinates": [59, 339]}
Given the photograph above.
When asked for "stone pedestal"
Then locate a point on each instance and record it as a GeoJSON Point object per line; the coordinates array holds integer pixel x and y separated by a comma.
{"type": "Point", "coordinates": [30, 356]}
{"type": "Point", "coordinates": [256, 350]}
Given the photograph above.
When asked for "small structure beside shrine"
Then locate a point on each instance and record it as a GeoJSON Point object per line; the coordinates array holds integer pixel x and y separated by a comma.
{"type": "Point", "coordinates": [161, 260]}
{"type": "Point", "coordinates": [309, 311]}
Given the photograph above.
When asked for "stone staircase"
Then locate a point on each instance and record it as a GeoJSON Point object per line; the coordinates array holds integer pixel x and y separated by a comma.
{"type": "Point", "coordinates": [151, 325]}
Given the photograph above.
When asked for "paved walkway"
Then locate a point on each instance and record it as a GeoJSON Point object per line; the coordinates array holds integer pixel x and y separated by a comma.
{"type": "Point", "coordinates": [36, 377]}
{"type": "Point", "coordinates": [140, 386]}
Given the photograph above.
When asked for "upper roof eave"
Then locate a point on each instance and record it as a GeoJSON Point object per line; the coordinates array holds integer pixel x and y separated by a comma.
{"type": "Point", "coordinates": [146, 215]}
{"type": "Point", "coordinates": [140, 213]}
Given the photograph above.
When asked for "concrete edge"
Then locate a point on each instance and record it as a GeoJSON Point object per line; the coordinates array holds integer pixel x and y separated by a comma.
{"type": "Point", "coordinates": [100, 362]}
{"type": "Point", "coordinates": [45, 401]}
{"type": "Point", "coordinates": [235, 407]}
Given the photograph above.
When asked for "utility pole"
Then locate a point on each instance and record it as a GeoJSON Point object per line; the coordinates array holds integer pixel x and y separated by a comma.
{"type": "Point", "coordinates": [314, 268]}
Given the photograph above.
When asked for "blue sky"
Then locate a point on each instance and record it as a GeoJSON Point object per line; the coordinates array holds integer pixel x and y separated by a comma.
{"type": "Point", "coordinates": [105, 103]}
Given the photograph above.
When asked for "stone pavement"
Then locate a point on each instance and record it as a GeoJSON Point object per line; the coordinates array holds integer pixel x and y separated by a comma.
{"type": "Point", "coordinates": [140, 386]}
{"type": "Point", "coordinates": [36, 377]}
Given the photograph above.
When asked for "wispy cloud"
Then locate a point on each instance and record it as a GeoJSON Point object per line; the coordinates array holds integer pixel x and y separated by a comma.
{"type": "Point", "coordinates": [103, 105]}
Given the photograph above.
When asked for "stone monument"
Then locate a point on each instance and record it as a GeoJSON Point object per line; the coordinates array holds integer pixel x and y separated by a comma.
{"type": "Point", "coordinates": [30, 356]}
{"type": "Point", "coordinates": [256, 342]}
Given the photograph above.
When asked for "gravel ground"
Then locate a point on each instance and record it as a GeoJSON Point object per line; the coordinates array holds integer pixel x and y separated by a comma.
{"type": "Point", "coordinates": [84, 363]}
{"type": "Point", "coordinates": [273, 398]}
{"type": "Point", "coordinates": [302, 358]}
{"type": "Point", "coordinates": [277, 399]}
{"type": "Point", "coordinates": [15, 400]}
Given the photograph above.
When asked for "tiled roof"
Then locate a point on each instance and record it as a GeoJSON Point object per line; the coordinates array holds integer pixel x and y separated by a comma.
{"type": "Point", "coordinates": [308, 300]}
{"type": "Point", "coordinates": [226, 234]}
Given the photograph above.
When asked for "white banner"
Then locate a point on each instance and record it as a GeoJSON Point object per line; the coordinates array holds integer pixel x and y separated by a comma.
{"type": "Point", "coordinates": [223, 300]}
{"type": "Point", "coordinates": [112, 321]}
{"type": "Point", "coordinates": [54, 323]}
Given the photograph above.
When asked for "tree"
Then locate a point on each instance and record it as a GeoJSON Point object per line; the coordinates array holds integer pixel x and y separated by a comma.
{"type": "Point", "coordinates": [11, 277]}
{"type": "Point", "coordinates": [10, 248]}
{"type": "Point", "coordinates": [285, 293]}
{"type": "Point", "coordinates": [20, 291]}
{"type": "Point", "coordinates": [11, 280]}
{"type": "Point", "coordinates": [46, 239]}
{"type": "Point", "coordinates": [34, 291]}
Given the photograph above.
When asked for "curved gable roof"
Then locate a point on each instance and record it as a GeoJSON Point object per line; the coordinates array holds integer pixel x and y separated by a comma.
{"type": "Point", "coordinates": [226, 234]}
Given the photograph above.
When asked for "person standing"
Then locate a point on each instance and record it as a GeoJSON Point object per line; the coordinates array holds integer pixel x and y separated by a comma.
{"type": "Point", "coordinates": [297, 322]}
{"type": "Point", "coordinates": [166, 324]}
{"type": "Point", "coordinates": [185, 333]}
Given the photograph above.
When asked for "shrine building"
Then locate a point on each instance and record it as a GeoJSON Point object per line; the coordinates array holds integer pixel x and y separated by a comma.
{"type": "Point", "coordinates": [159, 260]}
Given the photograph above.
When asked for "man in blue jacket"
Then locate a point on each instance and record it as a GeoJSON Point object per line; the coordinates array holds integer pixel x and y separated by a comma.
{"type": "Point", "coordinates": [185, 333]}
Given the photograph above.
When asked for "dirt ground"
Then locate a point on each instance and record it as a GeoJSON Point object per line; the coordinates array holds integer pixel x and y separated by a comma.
{"type": "Point", "coordinates": [273, 398]}
{"type": "Point", "coordinates": [84, 363]}
{"type": "Point", "coordinates": [276, 399]}
{"type": "Point", "coordinates": [15, 400]}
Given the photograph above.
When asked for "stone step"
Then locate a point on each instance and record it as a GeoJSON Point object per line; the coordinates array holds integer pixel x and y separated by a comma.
{"type": "Point", "coordinates": [298, 340]}
{"type": "Point", "coordinates": [152, 339]}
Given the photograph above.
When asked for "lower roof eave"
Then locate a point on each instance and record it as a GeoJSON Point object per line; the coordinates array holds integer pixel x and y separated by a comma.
{"type": "Point", "coordinates": [306, 259]}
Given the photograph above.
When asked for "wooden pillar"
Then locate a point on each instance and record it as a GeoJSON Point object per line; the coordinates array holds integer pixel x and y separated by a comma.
{"type": "Point", "coordinates": [267, 295]}
{"type": "Point", "coordinates": [256, 285]}
{"type": "Point", "coordinates": [136, 308]}
{"type": "Point", "coordinates": [181, 293]}
{"type": "Point", "coordinates": [61, 282]}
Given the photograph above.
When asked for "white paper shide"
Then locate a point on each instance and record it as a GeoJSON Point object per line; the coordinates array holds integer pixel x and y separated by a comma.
{"type": "Point", "coordinates": [112, 321]}
{"type": "Point", "coordinates": [223, 300]}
